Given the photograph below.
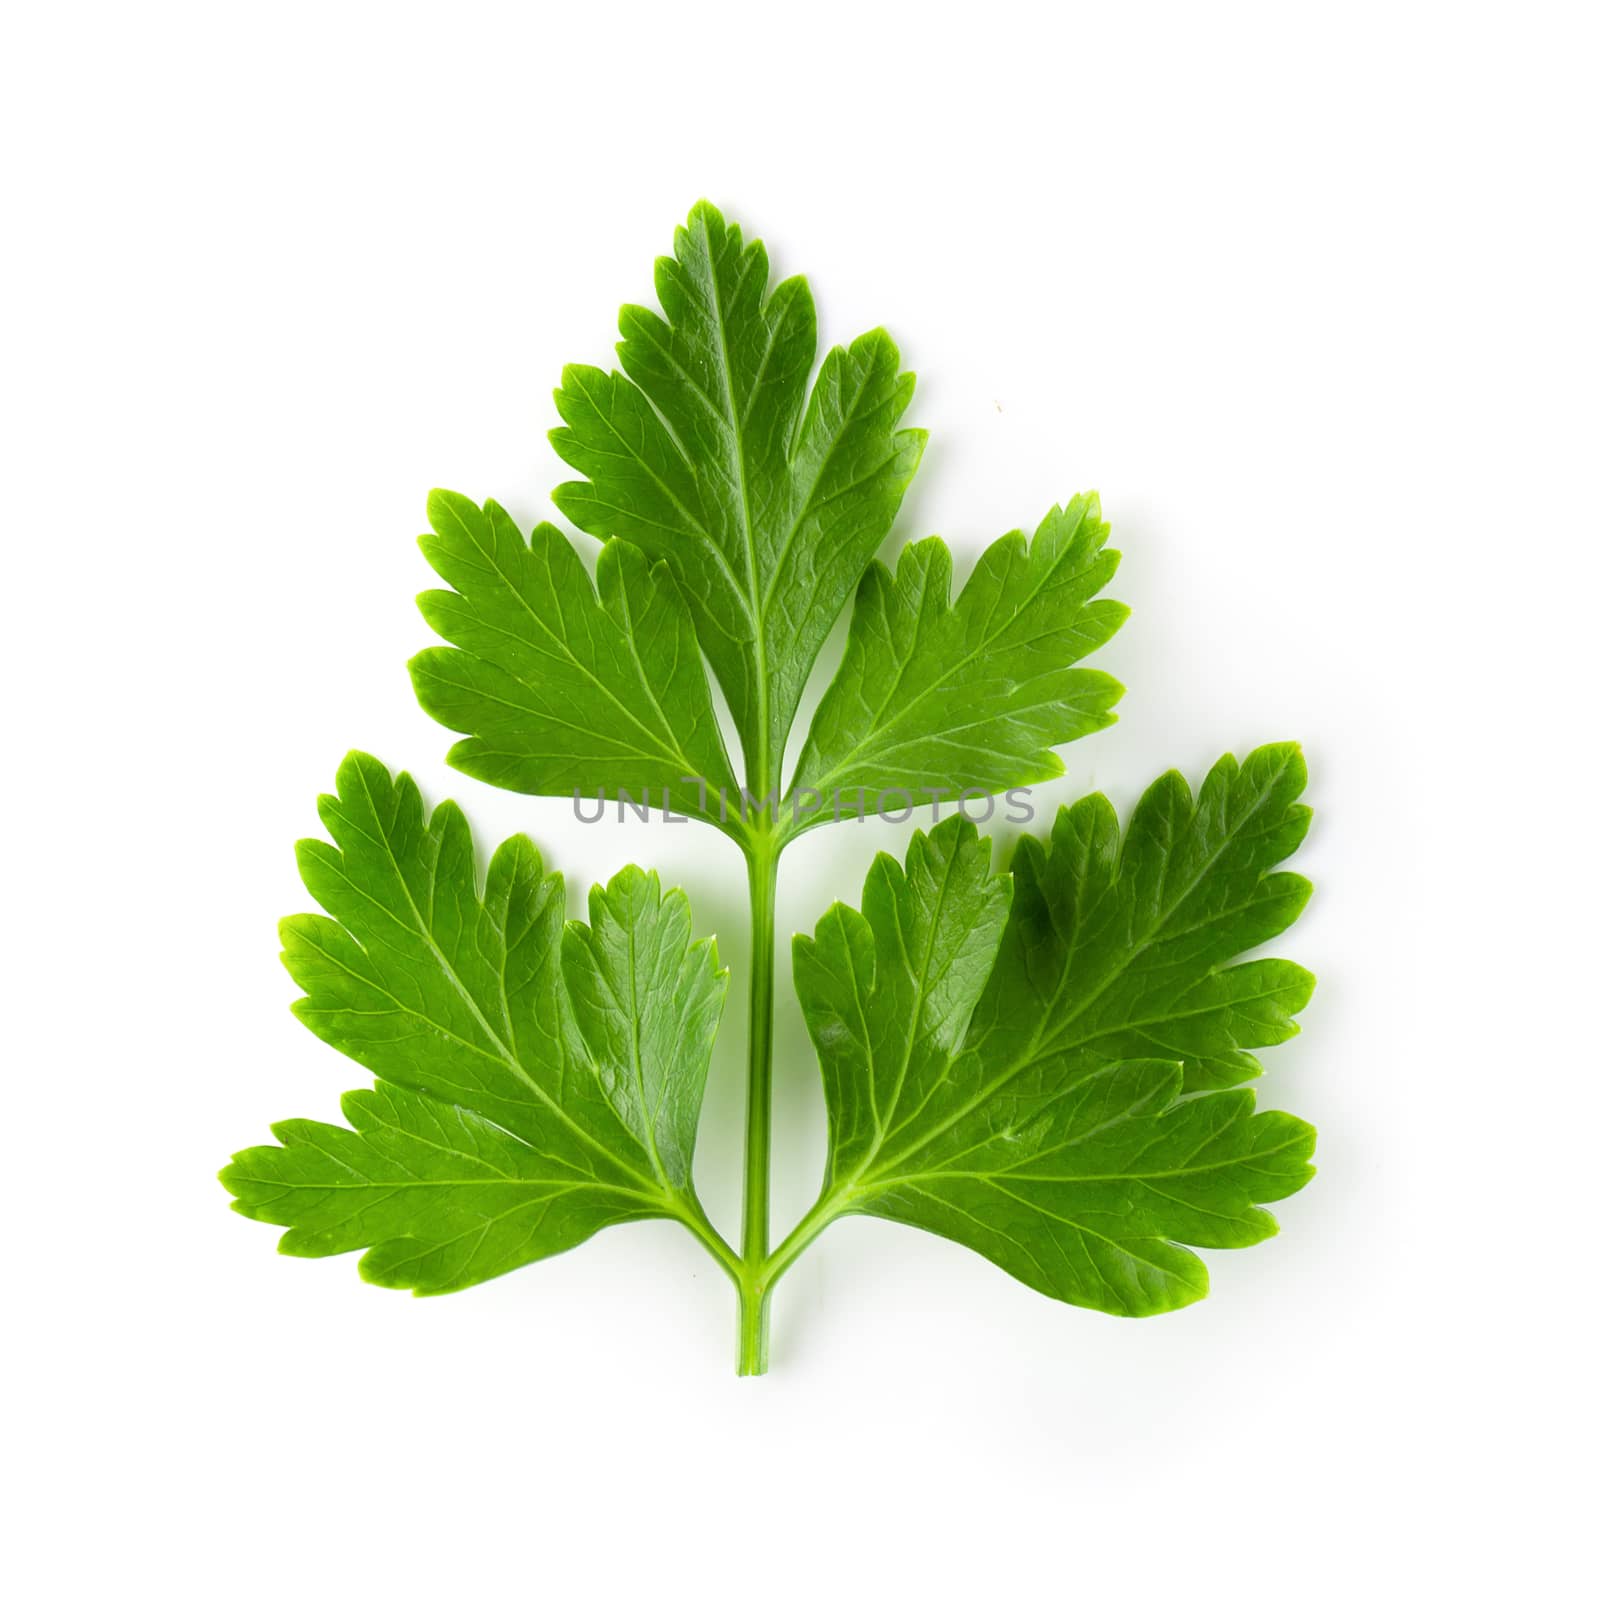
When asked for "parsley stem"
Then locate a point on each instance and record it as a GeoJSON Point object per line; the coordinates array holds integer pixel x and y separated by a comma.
{"type": "Point", "coordinates": [692, 1215]}
{"type": "Point", "coordinates": [753, 1316]}
{"type": "Point", "coordinates": [831, 1203]}
{"type": "Point", "coordinates": [754, 1322]}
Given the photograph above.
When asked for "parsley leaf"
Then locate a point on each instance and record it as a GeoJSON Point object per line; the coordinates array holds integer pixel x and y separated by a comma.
{"type": "Point", "coordinates": [1044, 1064]}
{"type": "Point", "coordinates": [933, 699]}
{"type": "Point", "coordinates": [1041, 1085]}
{"type": "Point", "coordinates": [708, 453]}
{"type": "Point", "coordinates": [564, 692]}
{"type": "Point", "coordinates": [537, 1084]}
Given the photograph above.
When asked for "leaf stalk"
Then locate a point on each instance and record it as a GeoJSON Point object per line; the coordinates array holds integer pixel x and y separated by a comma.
{"type": "Point", "coordinates": [762, 859]}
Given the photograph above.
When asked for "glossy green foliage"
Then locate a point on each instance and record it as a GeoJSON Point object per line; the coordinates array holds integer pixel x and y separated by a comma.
{"type": "Point", "coordinates": [739, 511]}
{"type": "Point", "coordinates": [1034, 1065]}
{"type": "Point", "coordinates": [709, 453]}
{"type": "Point", "coordinates": [564, 691]}
{"type": "Point", "coordinates": [538, 1081]}
{"type": "Point", "coordinates": [1043, 1064]}
{"type": "Point", "coordinates": [942, 699]}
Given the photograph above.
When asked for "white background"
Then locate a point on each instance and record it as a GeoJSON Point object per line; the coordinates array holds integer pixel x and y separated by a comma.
{"type": "Point", "coordinates": [1307, 292]}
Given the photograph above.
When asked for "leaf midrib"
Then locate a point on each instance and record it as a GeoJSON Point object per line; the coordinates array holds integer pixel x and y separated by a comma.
{"type": "Point", "coordinates": [758, 775]}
